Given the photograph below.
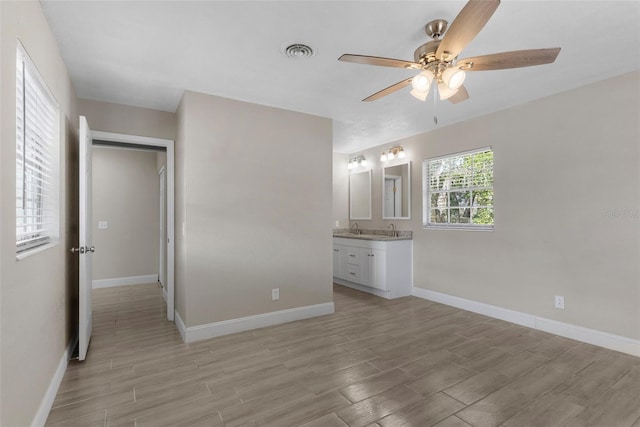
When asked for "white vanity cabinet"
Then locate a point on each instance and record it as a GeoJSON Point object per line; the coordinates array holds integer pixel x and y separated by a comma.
{"type": "Point", "coordinates": [382, 268]}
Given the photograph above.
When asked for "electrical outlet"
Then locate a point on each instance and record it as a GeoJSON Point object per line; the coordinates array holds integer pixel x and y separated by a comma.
{"type": "Point", "coordinates": [275, 294]}
{"type": "Point", "coordinates": [337, 223]}
{"type": "Point", "coordinates": [103, 225]}
{"type": "Point", "coordinates": [559, 301]}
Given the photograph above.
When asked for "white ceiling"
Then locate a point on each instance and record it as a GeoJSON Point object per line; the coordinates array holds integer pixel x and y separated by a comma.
{"type": "Point", "coordinates": [146, 53]}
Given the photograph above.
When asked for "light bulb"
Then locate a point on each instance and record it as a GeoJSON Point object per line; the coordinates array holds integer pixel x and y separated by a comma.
{"type": "Point", "coordinates": [383, 157]}
{"type": "Point", "coordinates": [401, 154]}
{"type": "Point", "coordinates": [391, 156]}
{"type": "Point", "coordinates": [363, 163]}
{"type": "Point", "coordinates": [445, 91]}
{"type": "Point", "coordinates": [350, 165]}
{"type": "Point", "coordinates": [453, 77]}
{"type": "Point", "coordinates": [422, 81]}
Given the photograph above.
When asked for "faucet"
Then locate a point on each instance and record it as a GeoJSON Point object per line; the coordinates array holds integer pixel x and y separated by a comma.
{"type": "Point", "coordinates": [355, 225]}
{"type": "Point", "coordinates": [393, 227]}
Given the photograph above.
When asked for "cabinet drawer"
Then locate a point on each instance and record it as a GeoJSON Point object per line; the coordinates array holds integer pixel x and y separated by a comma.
{"type": "Point", "coordinates": [353, 255]}
{"type": "Point", "coordinates": [353, 272]}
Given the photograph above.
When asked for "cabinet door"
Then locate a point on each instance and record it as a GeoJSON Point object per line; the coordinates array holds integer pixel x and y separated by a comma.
{"type": "Point", "coordinates": [365, 267]}
{"type": "Point", "coordinates": [336, 261]}
{"type": "Point", "coordinates": [377, 271]}
{"type": "Point", "coordinates": [339, 261]}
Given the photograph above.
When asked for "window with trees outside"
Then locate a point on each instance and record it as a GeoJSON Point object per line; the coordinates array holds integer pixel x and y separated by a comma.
{"type": "Point", "coordinates": [458, 191]}
{"type": "Point", "coordinates": [37, 158]}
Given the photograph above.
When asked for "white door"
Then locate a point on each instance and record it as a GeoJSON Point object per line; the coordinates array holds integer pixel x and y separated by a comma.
{"type": "Point", "coordinates": [392, 196]}
{"type": "Point", "coordinates": [389, 198]}
{"type": "Point", "coordinates": [86, 242]}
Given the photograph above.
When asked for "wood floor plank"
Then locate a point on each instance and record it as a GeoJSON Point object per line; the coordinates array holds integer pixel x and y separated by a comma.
{"type": "Point", "coordinates": [546, 411]}
{"type": "Point", "coordinates": [452, 421]}
{"type": "Point", "coordinates": [375, 384]}
{"type": "Point", "coordinates": [320, 383]}
{"type": "Point", "coordinates": [378, 406]}
{"type": "Point", "coordinates": [374, 362]}
{"type": "Point", "coordinates": [426, 412]}
{"type": "Point", "coordinates": [478, 386]}
{"type": "Point", "coordinates": [444, 376]}
{"type": "Point", "coordinates": [328, 420]}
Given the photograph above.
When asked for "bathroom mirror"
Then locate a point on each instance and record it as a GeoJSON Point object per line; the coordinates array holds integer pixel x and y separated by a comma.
{"type": "Point", "coordinates": [396, 191]}
{"type": "Point", "coordinates": [360, 195]}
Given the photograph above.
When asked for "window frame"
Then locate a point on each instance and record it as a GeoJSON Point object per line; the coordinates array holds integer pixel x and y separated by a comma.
{"type": "Point", "coordinates": [47, 195]}
{"type": "Point", "coordinates": [426, 195]}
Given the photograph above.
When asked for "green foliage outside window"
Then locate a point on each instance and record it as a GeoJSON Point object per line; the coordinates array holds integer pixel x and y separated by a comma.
{"type": "Point", "coordinates": [460, 190]}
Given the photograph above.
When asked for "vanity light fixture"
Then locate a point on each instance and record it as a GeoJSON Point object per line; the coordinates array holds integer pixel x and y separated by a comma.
{"type": "Point", "coordinates": [394, 152]}
{"type": "Point", "coordinates": [359, 161]}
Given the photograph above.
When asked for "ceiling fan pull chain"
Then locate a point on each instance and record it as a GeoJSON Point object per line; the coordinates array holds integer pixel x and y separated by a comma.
{"type": "Point", "coordinates": [435, 103]}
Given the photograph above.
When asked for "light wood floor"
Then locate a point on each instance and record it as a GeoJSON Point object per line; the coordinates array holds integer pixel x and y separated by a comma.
{"type": "Point", "coordinates": [372, 363]}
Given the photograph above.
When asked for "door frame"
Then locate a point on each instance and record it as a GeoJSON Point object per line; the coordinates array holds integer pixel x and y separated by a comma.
{"type": "Point", "coordinates": [162, 174]}
{"type": "Point", "coordinates": [168, 144]}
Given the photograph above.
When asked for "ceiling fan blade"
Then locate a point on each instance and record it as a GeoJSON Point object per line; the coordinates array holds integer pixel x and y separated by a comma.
{"type": "Point", "coordinates": [513, 59]}
{"type": "Point", "coordinates": [377, 60]}
{"type": "Point", "coordinates": [461, 95]}
{"type": "Point", "coordinates": [389, 90]}
{"type": "Point", "coordinates": [471, 19]}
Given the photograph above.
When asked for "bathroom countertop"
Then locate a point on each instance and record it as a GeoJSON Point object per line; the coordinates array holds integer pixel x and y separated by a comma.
{"type": "Point", "coordinates": [377, 235]}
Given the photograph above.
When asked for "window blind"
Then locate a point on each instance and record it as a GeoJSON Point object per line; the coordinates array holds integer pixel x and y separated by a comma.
{"type": "Point", "coordinates": [458, 190]}
{"type": "Point", "coordinates": [37, 178]}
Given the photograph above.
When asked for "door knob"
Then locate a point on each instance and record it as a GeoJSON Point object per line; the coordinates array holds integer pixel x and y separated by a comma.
{"type": "Point", "coordinates": [79, 250]}
{"type": "Point", "coordinates": [91, 248]}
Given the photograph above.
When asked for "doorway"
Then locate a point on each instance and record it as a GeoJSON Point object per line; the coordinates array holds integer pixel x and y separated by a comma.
{"type": "Point", "coordinates": [167, 177]}
{"type": "Point", "coordinates": [392, 196]}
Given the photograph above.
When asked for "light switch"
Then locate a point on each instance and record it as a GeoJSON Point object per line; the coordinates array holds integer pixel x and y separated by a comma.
{"type": "Point", "coordinates": [103, 225]}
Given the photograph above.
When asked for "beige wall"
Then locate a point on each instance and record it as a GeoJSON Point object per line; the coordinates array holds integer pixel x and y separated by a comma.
{"type": "Point", "coordinates": [340, 190]}
{"type": "Point", "coordinates": [254, 217]}
{"type": "Point", "coordinates": [37, 293]}
{"type": "Point", "coordinates": [567, 204]}
{"type": "Point", "coordinates": [180, 215]}
{"type": "Point", "coordinates": [107, 117]}
{"type": "Point", "coordinates": [126, 193]}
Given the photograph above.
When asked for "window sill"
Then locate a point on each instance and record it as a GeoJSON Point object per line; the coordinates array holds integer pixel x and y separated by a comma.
{"type": "Point", "coordinates": [29, 252]}
{"type": "Point", "coordinates": [459, 228]}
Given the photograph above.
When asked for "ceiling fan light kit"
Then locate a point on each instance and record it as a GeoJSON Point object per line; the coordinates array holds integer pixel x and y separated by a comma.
{"type": "Point", "coordinates": [421, 95]}
{"type": "Point", "coordinates": [437, 59]}
{"type": "Point", "coordinates": [445, 91]}
{"type": "Point", "coordinates": [453, 77]}
{"type": "Point", "coordinates": [422, 81]}
{"type": "Point", "coordinates": [421, 84]}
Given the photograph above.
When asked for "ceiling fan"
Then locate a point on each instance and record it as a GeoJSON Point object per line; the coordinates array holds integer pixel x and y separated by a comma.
{"type": "Point", "coordinates": [438, 58]}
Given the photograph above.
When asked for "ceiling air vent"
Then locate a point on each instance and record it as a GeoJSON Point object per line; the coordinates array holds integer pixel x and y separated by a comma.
{"type": "Point", "coordinates": [298, 51]}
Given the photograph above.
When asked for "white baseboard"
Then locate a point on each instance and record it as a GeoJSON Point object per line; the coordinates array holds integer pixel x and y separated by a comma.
{"type": "Point", "coordinates": [181, 326]}
{"type": "Point", "coordinates": [225, 327]}
{"type": "Point", "coordinates": [367, 289]}
{"type": "Point", "coordinates": [122, 281]}
{"type": "Point", "coordinates": [578, 333]}
{"type": "Point", "coordinates": [50, 395]}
